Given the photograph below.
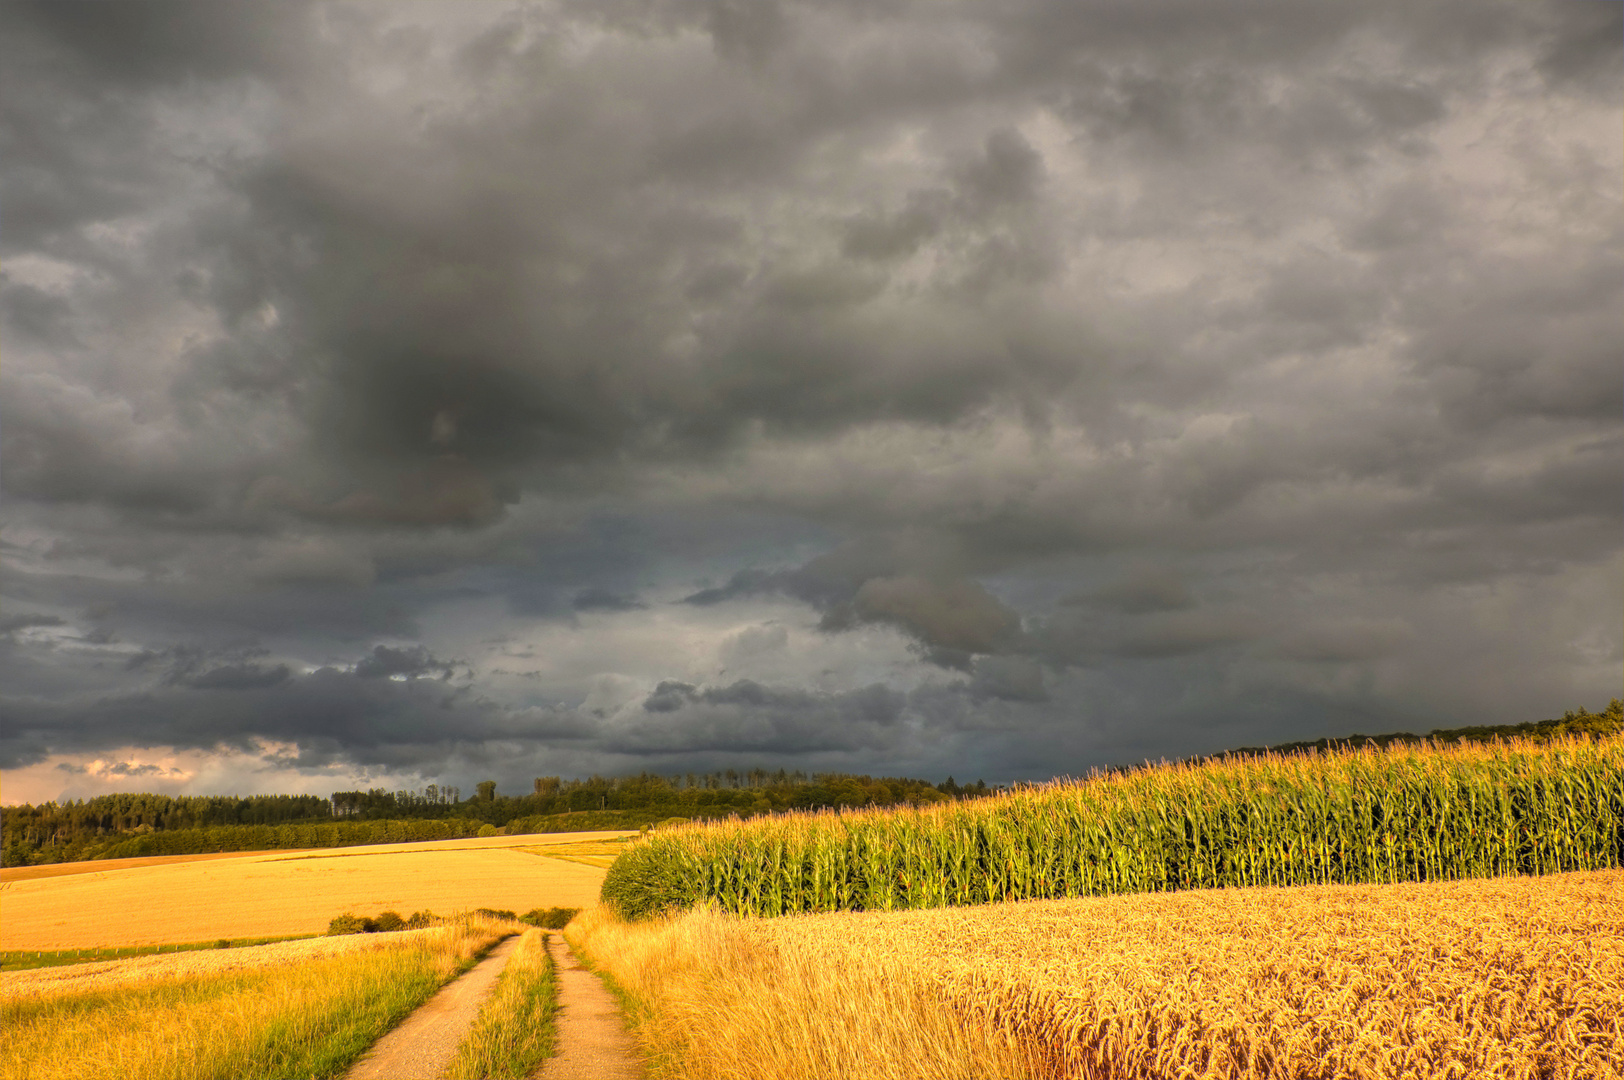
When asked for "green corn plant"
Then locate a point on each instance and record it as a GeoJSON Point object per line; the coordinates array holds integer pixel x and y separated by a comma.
{"type": "Point", "coordinates": [1367, 815]}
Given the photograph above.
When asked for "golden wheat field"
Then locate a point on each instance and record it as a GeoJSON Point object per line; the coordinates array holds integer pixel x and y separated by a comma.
{"type": "Point", "coordinates": [299, 1012]}
{"type": "Point", "coordinates": [286, 892]}
{"type": "Point", "coordinates": [1506, 977]}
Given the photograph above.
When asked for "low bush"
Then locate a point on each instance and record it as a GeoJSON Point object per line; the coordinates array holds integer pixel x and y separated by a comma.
{"type": "Point", "coordinates": [389, 921]}
{"type": "Point", "coordinates": [420, 919]}
{"type": "Point", "coordinates": [555, 918]}
{"type": "Point", "coordinates": [493, 913]}
{"type": "Point", "coordinates": [347, 924]}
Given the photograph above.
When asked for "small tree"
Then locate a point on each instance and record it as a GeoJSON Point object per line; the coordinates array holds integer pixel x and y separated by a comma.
{"type": "Point", "coordinates": [487, 790]}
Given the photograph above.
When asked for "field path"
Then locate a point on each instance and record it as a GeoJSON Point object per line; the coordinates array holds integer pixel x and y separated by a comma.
{"type": "Point", "coordinates": [593, 1043]}
{"type": "Point", "coordinates": [425, 1042]}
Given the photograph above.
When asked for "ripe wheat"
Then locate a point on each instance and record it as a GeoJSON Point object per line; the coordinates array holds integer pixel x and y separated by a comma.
{"type": "Point", "coordinates": [1509, 978]}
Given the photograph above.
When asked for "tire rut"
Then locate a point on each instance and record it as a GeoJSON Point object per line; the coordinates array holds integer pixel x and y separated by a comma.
{"type": "Point", "coordinates": [593, 1043]}
{"type": "Point", "coordinates": [421, 1046]}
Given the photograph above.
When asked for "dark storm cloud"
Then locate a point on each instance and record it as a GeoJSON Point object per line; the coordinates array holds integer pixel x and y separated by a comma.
{"type": "Point", "coordinates": [746, 717]}
{"type": "Point", "coordinates": [385, 662]}
{"type": "Point", "coordinates": [340, 715]}
{"type": "Point", "coordinates": [1146, 587]}
{"type": "Point", "coordinates": [10, 624]}
{"type": "Point", "coordinates": [604, 600]}
{"type": "Point", "coordinates": [1082, 349]}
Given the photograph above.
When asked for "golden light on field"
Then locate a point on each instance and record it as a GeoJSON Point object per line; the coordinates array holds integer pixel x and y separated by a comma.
{"type": "Point", "coordinates": [1506, 977]}
{"type": "Point", "coordinates": [287, 892]}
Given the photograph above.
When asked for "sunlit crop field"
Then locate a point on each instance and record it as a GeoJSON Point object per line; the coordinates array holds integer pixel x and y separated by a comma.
{"type": "Point", "coordinates": [1406, 813]}
{"type": "Point", "coordinates": [282, 892]}
{"type": "Point", "coordinates": [304, 1008]}
{"type": "Point", "coordinates": [1506, 977]}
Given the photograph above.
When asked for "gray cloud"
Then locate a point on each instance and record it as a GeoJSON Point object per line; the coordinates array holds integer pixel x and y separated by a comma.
{"type": "Point", "coordinates": [1144, 588]}
{"type": "Point", "coordinates": [1043, 365]}
{"type": "Point", "coordinates": [385, 662]}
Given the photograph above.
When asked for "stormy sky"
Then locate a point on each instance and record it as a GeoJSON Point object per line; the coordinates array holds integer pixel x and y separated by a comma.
{"type": "Point", "coordinates": [413, 392]}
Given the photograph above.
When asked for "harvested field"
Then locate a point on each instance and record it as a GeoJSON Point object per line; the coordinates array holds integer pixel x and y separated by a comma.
{"type": "Point", "coordinates": [1506, 977]}
{"type": "Point", "coordinates": [29, 873]}
{"type": "Point", "coordinates": [281, 892]}
{"type": "Point", "coordinates": [103, 975]}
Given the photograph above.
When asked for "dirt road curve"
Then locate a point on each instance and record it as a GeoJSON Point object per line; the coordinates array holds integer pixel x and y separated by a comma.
{"type": "Point", "coordinates": [593, 1043]}
{"type": "Point", "coordinates": [423, 1045]}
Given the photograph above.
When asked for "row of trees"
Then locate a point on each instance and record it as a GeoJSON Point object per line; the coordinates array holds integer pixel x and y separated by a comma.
{"type": "Point", "coordinates": [118, 826]}
{"type": "Point", "coordinates": [433, 801]}
{"type": "Point", "coordinates": [71, 827]}
{"type": "Point", "coordinates": [710, 794]}
{"type": "Point", "coordinates": [109, 826]}
{"type": "Point", "coordinates": [1571, 724]}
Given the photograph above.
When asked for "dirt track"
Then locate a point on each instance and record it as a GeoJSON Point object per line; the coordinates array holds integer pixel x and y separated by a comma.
{"type": "Point", "coordinates": [593, 1043]}
{"type": "Point", "coordinates": [426, 1041]}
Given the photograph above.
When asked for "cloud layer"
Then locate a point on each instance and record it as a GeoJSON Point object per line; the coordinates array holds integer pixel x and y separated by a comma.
{"type": "Point", "coordinates": [442, 389]}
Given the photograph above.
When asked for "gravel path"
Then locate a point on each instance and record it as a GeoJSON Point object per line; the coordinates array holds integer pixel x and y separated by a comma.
{"type": "Point", "coordinates": [423, 1045]}
{"type": "Point", "coordinates": [593, 1043]}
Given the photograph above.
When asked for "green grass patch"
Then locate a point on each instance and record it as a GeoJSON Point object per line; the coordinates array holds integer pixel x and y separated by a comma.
{"type": "Point", "coordinates": [304, 1020]}
{"type": "Point", "coordinates": [516, 1029]}
{"type": "Point", "coordinates": [24, 959]}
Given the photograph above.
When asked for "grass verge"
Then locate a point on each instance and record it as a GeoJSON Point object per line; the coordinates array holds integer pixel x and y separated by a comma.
{"type": "Point", "coordinates": [516, 1029]}
{"type": "Point", "coordinates": [1504, 978]}
{"type": "Point", "coordinates": [708, 997]}
{"type": "Point", "coordinates": [28, 959]}
{"type": "Point", "coordinates": [305, 1020]}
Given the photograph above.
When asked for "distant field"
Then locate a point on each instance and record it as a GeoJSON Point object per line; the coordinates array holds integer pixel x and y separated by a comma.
{"type": "Point", "coordinates": [29, 873]}
{"type": "Point", "coordinates": [1510, 977]}
{"type": "Point", "coordinates": [186, 899]}
{"type": "Point", "coordinates": [599, 853]}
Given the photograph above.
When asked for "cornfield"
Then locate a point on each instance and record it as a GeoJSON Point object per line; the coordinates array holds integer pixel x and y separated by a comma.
{"type": "Point", "coordinates": [1405, 813]}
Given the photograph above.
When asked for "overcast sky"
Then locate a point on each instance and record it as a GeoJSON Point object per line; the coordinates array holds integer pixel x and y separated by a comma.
{"type": "Point", "coordinates": [397, 392]}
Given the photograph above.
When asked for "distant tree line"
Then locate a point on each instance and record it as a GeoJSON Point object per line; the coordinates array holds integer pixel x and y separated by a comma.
{"type": "Point", "coordinates": [1610, 721]}
{"type": "Point", "coordinates": [128, 826]}
{"type": "Point", "coordinates": [68, 830]}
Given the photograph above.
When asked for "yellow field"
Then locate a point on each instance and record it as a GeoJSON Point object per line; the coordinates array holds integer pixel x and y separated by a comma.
{"type": "Point", "coordinates": [28, 873]}
{"type": "Point", "coordinates": [599, 853]}
{"type": "Point", "coordinates": [284, 892]}
{"type": "Point", "coordinates": [307, 1018]}
{"type": "Point", "coordinates": [1508, 977]}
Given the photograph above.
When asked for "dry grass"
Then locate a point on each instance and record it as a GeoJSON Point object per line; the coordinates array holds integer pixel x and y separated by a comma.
{"type": "Point", "coordinates": [106, 974]}
{"type": "Point", "coordinates": [282, 893]}
{"type": "Point", "coordinates": [712, 996]}
{"type": "Point", "coordinates": [1510, 977]}
{"type": "Point", "coordinates": [293, 1019]}
{"type": "Point", "coordinates": [515, 1031]}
